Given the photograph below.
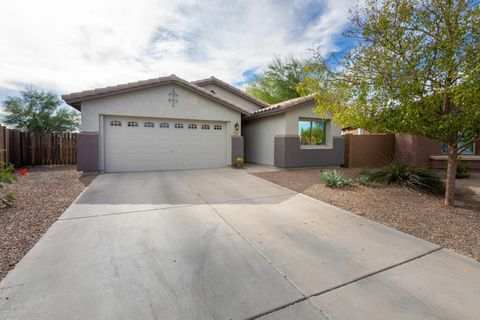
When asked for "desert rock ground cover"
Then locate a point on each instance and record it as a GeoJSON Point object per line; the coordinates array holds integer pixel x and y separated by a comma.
{"type": "Point", "coordinates": [42, 196]}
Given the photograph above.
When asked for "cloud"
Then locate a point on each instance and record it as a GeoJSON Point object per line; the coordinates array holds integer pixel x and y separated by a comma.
{"type": "Point", "coordinates": [80, 44]}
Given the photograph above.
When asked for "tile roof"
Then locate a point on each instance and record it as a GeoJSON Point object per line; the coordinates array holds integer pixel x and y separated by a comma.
{"type": "Point", "coordinates": [232, 89]}
{"type": "Point", "coordinates": [75, 99]}
{"type": "Point", "coordinates": [281, 107]}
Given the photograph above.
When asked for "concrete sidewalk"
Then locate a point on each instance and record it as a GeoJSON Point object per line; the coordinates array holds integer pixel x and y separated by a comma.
{"type": "Point", "coordinates": [222, 244]}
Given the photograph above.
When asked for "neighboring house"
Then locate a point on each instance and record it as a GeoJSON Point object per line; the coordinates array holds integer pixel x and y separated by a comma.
{"type": "Point", "coordinates": [417, 150]}
{"type": "Point", "coordinates": [169, 123]}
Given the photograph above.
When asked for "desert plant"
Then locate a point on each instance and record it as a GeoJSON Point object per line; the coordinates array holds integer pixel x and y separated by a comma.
{"type": "Point", "coordinates": [335, 179]}
{"type": "Point", "coordinates": [463, 171]}
{"type": "Point", "coordinates": [364, 180]}
{"type": "Point", "coordinates": [416, 178]}
{"type": "Point", "coordinates": [239, 162]}
{"type": "Point", "coordinates": [6, 178]}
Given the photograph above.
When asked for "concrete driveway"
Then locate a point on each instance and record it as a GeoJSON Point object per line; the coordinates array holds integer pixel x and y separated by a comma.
{"type": "Point", "coordinates": [222, 244]}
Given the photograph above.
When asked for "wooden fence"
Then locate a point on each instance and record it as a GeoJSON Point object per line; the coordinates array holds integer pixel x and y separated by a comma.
{"type": "Point", "coordinates": [25, 149]}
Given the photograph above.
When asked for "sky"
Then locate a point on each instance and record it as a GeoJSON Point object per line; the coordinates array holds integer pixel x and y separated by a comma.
{"type": "Point", "coordinates": [74, 45]}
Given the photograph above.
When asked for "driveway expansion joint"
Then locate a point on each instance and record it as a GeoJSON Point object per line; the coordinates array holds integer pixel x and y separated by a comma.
{"type": "Point", "coordinates": [308, 297]}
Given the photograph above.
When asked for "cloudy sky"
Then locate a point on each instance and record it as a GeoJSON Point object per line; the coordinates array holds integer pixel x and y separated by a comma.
{"type": "Point", "coordinates": [72, 45]}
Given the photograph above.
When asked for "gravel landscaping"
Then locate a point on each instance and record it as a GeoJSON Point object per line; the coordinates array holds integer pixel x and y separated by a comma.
{"type": "Point", "coordinates": [418, 214]}
{"type": "Point", "coordinates": [42, 196]}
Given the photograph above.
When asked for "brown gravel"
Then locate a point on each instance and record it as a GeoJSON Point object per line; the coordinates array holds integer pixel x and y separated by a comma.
{"type": "Point", "coordinates": [42, 196]}
{"type": "Point", "coordinates": [418, 214]}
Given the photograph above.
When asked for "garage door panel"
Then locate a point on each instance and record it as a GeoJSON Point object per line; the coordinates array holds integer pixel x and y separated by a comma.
{"type": "Point", "coordinates": [145, 148]}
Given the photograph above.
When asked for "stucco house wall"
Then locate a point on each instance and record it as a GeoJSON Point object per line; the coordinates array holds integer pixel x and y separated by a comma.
{"type": "Point", "coordinates": [152, 103]}
{"type": "Point", "coordinates": [274, 140]}
{"type": "Point", "coordinates": [259, 138]}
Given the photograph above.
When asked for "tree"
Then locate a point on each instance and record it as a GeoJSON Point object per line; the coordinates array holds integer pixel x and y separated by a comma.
{"type": "Point", "coordinates": [415, 70]}
{"type": "Point", "coordinates": [39, 111]}
{"type": "Point", "coordinates": [279, 81]}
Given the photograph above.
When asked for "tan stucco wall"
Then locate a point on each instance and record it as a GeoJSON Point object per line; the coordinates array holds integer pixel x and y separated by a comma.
{"type": "Point", "coordinates": [153, 103]}
{"type": "Point", "coordinates": [232, 97]}
{"type": "Point", "coordinates": [259, 138]}
{"type": "Point", "coordinates": [260, 133]}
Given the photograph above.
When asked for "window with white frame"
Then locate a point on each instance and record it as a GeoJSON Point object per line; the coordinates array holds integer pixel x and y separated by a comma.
{"type": "Point", "coordinates": [205, 127]}
{"type": "Point", "coordinates": [164, 125]}
{"type": "Point", "coordinates": [192, 126]}
{"type": "Point", "coordinates": [148, 124]}
{"type": "Point", "coordinates": [116, 123]}
{"type": "Point", "coordinates": [217, 127]}
{"type": "Point", "coordinates": [178, 125]}
{"type": "Point", "coordinates": [312, 132]}
{"type": "Point", "coordinates": [132, 124]}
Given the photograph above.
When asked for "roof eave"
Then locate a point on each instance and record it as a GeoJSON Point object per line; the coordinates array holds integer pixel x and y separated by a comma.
{"type": "Point", "coordinates": [233, 90]}
{"type": "Point", "coordinates": [75, 102]}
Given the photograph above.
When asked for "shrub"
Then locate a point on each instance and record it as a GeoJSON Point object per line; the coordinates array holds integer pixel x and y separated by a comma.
{"type": "Point", "coordinates": [6, 178]}
{"type": "Point", "coordinates": [463, 171]}
{"type": "Point", "coordinates": [335, 179]}
{"type": "Point", "coordinates": [364, 180]}
{"type": "Point", "coordinates": [416, 178]}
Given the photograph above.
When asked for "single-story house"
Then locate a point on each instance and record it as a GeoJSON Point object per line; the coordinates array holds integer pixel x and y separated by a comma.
{"type": "Point", "coordinates": [168, 123]}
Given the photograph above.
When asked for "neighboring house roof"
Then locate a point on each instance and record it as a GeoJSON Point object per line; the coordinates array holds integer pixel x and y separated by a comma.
{"type": "Point", "coordinates": [281, 107]}
{"type": "Point", "coordinates": [75, 99]}
{"type": "Point", "coordinates": [229, 87]}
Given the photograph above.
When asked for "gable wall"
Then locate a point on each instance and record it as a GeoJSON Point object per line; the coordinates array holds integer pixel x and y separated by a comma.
{"type": "Point", "coordinates": [153, 102]}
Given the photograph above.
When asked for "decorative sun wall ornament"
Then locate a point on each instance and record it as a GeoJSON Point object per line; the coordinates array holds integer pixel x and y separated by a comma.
{"type": "Point", "coordinates": [173, 97]}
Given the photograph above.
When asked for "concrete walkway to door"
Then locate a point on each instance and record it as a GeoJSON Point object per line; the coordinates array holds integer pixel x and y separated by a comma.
{"type": "Point", "coordinates": [222, 244]}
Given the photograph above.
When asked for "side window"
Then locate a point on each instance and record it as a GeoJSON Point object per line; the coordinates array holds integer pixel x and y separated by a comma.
{"type": "Point", "coordinates": [178, 125]}
{"type": "Point", "coordinates": [217, 127]}
{"type": "Point", "coordinates": [164, 125]}
{"type": "Point", "coordinates": [148, 124]}
{"type": "Point", "coordinates": [192, 126]}
{"type": "Point", "coordinates": [205, 127]}
{"type": "Point", "coordinates": [132, 124]}
{"type": "Point", "coordinates": [115, 123]}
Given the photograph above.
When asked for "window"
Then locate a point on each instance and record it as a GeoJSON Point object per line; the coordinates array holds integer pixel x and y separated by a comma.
{"type": "Point", "coordinates": [312, 132]}
{"type": "Point", "coordinates": [116, 123]}
{"type": "Point", "coordinates": [164, 125]}
{"type": "Point", "coordinates": [192, 126]}
{"type": "Point", "coordinates": [470, 149]}
{"type": "Point", "coordinates": [148, 124]}
{"type": "Point", "coordinates": [178, 126]}
{"type": "Point", "coordinates": [217, 127]}
{"type": "Point", "coordinates": [205, 127]}
{"type": "Point", "coordinates": [132, 124]}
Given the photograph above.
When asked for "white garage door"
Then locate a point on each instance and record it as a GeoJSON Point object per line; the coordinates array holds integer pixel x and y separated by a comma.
{"type": "Point", "coordinates": [138, 144]}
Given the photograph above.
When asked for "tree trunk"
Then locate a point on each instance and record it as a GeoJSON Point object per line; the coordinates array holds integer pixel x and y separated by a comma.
{"type": "Point", "coordinates": [451, 174]}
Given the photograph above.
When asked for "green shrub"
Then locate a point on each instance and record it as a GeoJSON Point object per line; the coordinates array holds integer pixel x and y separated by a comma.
{"type": "Point", "coordinates": [6, 178]}
{"type": "Point", "coordinates": [364, 180]}
{"type": "Point", "coordinates": [463, 171]}
{"type": "Point", "coordinates": [416, 178]}
{"type": "Point", "coordinates": [335, 179]}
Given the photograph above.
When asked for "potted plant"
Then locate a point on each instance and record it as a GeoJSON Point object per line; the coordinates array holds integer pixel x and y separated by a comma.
{"type": "Point", "coordinates": [239, 162]}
